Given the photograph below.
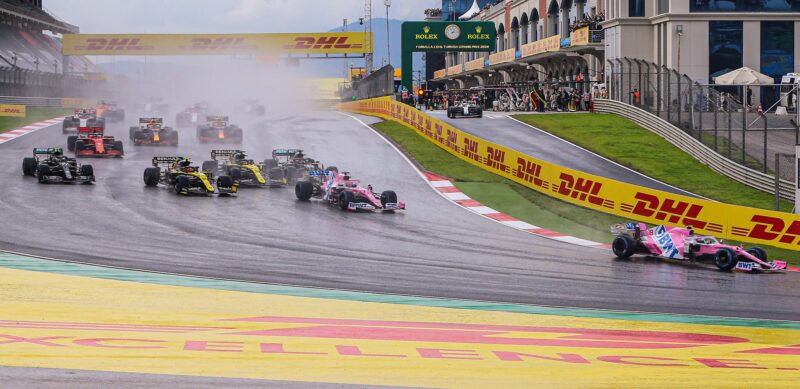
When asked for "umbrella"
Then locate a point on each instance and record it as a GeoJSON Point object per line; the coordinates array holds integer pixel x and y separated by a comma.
{"type": "Point", "coordinates": [744, 76]}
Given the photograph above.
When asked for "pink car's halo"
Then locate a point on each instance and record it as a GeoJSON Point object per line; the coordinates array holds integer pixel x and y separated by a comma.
{"type": "Point", "coordinates": [683, 244]}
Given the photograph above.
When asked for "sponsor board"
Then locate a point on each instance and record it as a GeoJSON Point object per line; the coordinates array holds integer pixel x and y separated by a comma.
{"type": "Point", "coordinates": [216, 44]}
{"type": "Point", "coordinates": [502, 56]}
{"type": "Point", "coordinates": [441, 73]}
{"type": "Point", "coordinates": [602, 194]}
{"type": "Point", "coordinates": [580, 37]}
{"type": "Point", "coordinates": [552, 43]}
{"type": "Point", "coordinates": [455, 69]}
{"type": "Point", "coordinates": [253, 335]}
{"type": "Point", "coordinates": [13, 110]}
{"type": "Point", "coordinates": [475, 64]}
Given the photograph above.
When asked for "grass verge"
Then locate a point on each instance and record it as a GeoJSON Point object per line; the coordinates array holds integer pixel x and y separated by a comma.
{"type": "Point", "coordinates": [624, 142]}
{"type": "Point", "coordinates": [34, 114]}
{"type": "Point", "coordinates": [514, 199]}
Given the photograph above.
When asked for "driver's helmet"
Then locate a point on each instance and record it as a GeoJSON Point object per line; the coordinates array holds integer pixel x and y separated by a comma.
{"type": "Point", "coordinates": [57, 153]}
{"type": "Point", "coordinates": [184, 162]}
{"type": "Point", "coordinates": [708, 240]}
{"type": "Point", "coordinates": [239, 156]}
{"type": "Point", "coordinates": [299, 155]}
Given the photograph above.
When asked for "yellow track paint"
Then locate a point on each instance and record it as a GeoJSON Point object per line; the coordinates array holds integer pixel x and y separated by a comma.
{"type": "Point", "coordinates": [58, 321]}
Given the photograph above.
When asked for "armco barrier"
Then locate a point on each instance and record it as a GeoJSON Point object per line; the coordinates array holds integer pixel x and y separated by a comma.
{"type": "Point", "coordinates": [630, 202]}
{"type": "Point", "coordinates": [695, 148]}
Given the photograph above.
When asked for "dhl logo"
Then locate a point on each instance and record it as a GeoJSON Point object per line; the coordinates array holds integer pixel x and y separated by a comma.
{"type": "Point", "coordinates": [452, 140]}
{"type": "Point", "coordinates": [323, 42]}
{"type": "Point", "coordinates": [118, 44]}
{"type": "Point", "coordinates": [770, 228]}
{"type": "Point", "coordinates": [496, 159]}
{"type": "Point", "coordinates": [672, 211]}
{"type": "Point", "coordinates": [218, 44]}
{"type": "Point", "coordinates": [530, 172]}
{"type": "Point", "coordinates": [12, 110]}
{"type": "Point", "coordinates": [470, 149]}
{"type": "Point", "coordinates": [582, 189]}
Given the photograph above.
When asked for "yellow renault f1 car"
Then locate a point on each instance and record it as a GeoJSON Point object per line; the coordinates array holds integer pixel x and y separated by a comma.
{"type": "Point", "coordinates": [179, 174]}
{"type": "Point", "coordinates": [243, 171]}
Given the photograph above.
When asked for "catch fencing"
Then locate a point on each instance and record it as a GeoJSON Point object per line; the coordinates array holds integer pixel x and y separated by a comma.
{"type": "Point", "coordinates": [718, 116]}
{"type": "Point", "coordinates": [378, 83]}
{"type": "Point", "coordinates": [628, 201]}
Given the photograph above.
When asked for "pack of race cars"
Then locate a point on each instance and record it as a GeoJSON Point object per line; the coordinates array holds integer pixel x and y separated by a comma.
{"type": "Point", "coordinates": [229, 169]}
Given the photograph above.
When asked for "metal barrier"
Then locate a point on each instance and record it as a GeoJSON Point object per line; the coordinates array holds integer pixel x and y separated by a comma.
{"type": "Point", "coordinates": [378, 83]}
{"type": "Point", "coordinates": [697, 149]}
{"type": "Point", "coordinates": [32, 101]}
{"type": "Point", "coordinates": [713, 114]}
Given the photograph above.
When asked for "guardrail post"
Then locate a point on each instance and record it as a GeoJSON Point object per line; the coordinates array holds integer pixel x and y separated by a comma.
{"type": "Point", "coordinates": [716, 127]}
{"type": "Point", "coordinates": [730, 136]}
{"type": "Point", "coordinates": [764, 116]}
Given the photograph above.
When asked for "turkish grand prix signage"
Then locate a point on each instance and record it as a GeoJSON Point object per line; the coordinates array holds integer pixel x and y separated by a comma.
{"type": "Point", "coordinates": [449, 36]}
{"type": "Point", "coordinates": [217, 44]}
{"type": "Point", "coordinates": [444, 36]}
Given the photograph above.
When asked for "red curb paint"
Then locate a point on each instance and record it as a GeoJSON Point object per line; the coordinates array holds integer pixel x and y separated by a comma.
{"type": "Point", "coordinates": [468, 203]}
{"type": "Point", "coordinates": [501, 217]}
{"type": "Point", "coordinates": [448, 189]}
{"type": "Point", "coordinates": [544, 232]}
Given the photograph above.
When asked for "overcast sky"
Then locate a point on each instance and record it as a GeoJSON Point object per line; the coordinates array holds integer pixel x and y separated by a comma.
{"type": "Point", "coordinates": [224, 16]}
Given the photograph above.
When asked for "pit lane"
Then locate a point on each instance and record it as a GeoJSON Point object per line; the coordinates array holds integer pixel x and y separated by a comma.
{"type": "Point", "coordinates": [265, 235]}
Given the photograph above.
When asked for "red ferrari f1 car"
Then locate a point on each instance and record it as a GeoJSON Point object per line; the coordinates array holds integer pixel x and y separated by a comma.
{"type": "Point", "coordinates": [91, 142]}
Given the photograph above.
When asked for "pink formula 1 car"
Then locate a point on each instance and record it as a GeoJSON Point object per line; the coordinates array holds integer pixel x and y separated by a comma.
{"type": "Point", "coordinates": [338, 189]}
{"type": "Point", "coordinates": [683, 244]}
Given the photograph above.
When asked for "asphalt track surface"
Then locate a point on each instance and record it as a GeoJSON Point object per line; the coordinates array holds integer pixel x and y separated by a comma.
{"type": "Point", "coordinates": [435, 248]}
{"type": "Point", "coordinates": [499, 128]}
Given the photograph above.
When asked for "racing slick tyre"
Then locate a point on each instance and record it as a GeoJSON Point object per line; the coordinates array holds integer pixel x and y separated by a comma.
{"type": "Point", "coordinates": [623, 246]}
{"type": "Point", "coordinates": [42, 171]}
{"type": "Point", "coordinates": [77, 146]}
{"type": "Point", "coordinates": [71, 142]}
{"type": "Point", "coordinates": [332, 169]}
{"type": "Point", "coordinates": [210, 166]}
{"type": "Point", "coordinates": [388, 196]}
{"type": "Point", "coordinates": [758, 252]}
{"type": "Point", "coordinates": [345, 198]}
{"type": "Point", "coordinates": [236, 173]}
{"type": "Point", "coordinates": [86, 170]}
{"type": "Point", "coordinates": [118, 146]}
{"type": "Point", "coordinates": [480, 114]}
{"type": "Point", "coordinates": [725, 259]}
{"type": "Point", "coordinates": [132, 132]}
{"type": "Point", "coordinates": [174, 139]}
{"type": "Point", "coordinates": [303, 190]}
{"type": "Point", "coordinates": [151, 176]}
{"type": "Point", "coordinates": [181, 183]}
{"type": "Point", "coordinates": [270, 163]}
{"type": "Point", "coordinates": [29, 165]}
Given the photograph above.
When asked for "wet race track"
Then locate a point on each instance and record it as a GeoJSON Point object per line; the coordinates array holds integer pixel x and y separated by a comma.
{"type": "Point", "coordinates": [435, 248]}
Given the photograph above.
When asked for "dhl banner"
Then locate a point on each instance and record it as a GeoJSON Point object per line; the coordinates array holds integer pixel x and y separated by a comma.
{"type": "Point", "coordinates": [215, 44]}
{"type": "Point", "coordinates": [475, 64]}
{"type": "Point", "coordinates": [12, 110]}
{"type": "Point", "coordinates": [628, 201]}
{"type": "Point", "coordinates": [455, 69]}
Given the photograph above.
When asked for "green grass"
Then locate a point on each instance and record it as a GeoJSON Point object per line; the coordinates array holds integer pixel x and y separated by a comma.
{"type": "Point", "coordinates": [34, 114]}
{"type": "Point", "coordinates": [514, 199]}
{"type": "Point", "coordinates": [626, 143]}
{"type": "Point", "coordinates": [499, 193]}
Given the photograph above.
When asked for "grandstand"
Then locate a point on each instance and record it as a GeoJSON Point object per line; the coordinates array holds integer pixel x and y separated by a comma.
{"type": "Point", "coordinates": [31, 63]}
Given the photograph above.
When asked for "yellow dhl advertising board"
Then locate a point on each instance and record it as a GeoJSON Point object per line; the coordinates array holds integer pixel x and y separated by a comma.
{"type": "Point", "coordinates": [217, 44]}
{"type": "Point", "coordinates": [12, 110]}
{"type": "Point", "coordinates": [628, 201]}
